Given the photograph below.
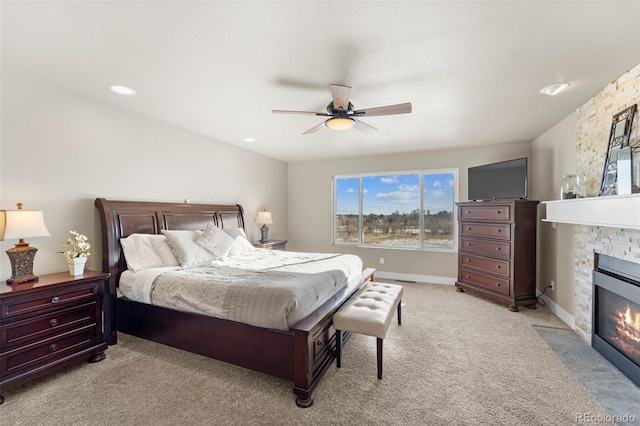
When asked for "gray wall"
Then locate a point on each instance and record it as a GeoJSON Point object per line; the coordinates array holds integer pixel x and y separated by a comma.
{"type": "Point", "coordinates": [310, 203]}
{"type": "Point", "coordinates": [553, 155]}
{"type": "Point", "coordinates": [60, 151]}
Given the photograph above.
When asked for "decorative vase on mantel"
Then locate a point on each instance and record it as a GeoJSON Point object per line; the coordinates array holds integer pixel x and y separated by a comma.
{"type": "Point", "coordinates": [76, 265]}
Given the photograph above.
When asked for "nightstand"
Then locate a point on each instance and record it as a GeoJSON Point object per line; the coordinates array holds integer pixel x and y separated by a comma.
{"type": "Point", "coordinates": [49, 324]}
{"type": "Point", "coordinates": [272, 244]}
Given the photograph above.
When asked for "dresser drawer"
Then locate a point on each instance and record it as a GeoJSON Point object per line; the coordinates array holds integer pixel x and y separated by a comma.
{"type": "Point", "coordinates": [501, 232]}
{"type": "Point", "coordinates": [498, 285]}
{"type": "Point", "coordinates": [50, 301]}
{"type": "Point", "coordinates": [486, 247]}
{"type": "Point", "coordinates": [492, 266]}
{"type": "Point", "coordinates": [499, 213]}
{"type": "Point", "coordinates": [44, 326]}
{"type": "Point", "coordinates": [48, 351]}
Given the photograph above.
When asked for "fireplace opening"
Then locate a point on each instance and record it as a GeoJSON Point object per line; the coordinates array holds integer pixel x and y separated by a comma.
{"type": "Point", "coordinates": [616, 313]}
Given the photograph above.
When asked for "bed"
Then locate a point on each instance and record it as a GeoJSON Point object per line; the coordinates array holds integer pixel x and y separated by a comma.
{"type": "Point", "coordinates": [299, 352]}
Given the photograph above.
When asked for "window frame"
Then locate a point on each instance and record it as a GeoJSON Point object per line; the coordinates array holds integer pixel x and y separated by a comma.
{"type": "Point", "coordinates": [421, 173]}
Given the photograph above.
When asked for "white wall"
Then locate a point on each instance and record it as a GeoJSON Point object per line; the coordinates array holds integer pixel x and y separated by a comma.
{"type": "Point", "coordinates": [60, 151]}
{"type": "Point", "coordinates": [310, 204]}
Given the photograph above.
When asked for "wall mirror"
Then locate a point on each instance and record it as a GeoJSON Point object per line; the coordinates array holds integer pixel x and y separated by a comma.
{"type": "Point", "coordinates": [618, 139]}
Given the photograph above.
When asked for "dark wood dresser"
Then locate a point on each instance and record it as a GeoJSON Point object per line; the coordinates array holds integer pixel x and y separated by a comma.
{"type": "Point", "coordinates": [497, 250]}
{"type": "Point", "coordinates": [48, 324]}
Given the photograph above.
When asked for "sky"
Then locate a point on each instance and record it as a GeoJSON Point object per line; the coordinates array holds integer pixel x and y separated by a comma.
{"type": "Point", "coordinates": [384, 194]}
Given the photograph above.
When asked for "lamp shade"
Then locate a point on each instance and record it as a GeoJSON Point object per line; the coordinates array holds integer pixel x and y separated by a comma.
{"type": "Point", "coordinates": [24, 224]}
{"type": "Point", "coordinates": [264, 218]}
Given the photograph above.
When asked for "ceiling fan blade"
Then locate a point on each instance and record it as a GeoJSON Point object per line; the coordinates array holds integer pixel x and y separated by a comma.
{"type": "Point", "coordinates": [384, 110]}
{"type": "Point", "coordinates": [314, 129]}
{"type": "Point", "coordinates": [340, 95]}
{"type": "Point", "coordinates": [282, 111]}
{"type": "Point", "coordinates": [364, 127]}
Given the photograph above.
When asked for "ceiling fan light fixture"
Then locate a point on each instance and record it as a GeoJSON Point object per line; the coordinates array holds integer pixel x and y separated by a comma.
{"type": "Point", "coordinates": [554, 89]}
{"type": "Point", "coordinates": [340, 123]}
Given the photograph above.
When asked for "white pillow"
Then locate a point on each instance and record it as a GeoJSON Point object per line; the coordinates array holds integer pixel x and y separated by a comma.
{"type": "Point", "coordinates": [241, 246]}
{"type": "Point", "coordinates": [216, 241]}
{"type": "Point", "coordinates": [235, 232]}
{"type": "Point", "coordinates": [185, 248]}
{"type": "Point", "coordinates": [164, 251]}
{"type": "Point", "coordinates": [140, 253]}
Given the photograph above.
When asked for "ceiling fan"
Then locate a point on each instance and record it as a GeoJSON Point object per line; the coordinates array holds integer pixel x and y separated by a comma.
{"type": "Point", "coordinates": [343, 115]}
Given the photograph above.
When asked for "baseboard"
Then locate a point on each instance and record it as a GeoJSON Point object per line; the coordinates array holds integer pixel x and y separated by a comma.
{"type": "Point", "coordinates": [565, 316]}
{"type": "Point", "coordinates": [414, 277]}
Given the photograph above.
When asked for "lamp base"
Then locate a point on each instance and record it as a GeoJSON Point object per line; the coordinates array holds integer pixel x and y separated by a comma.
{"type": "Point", "coordinates": [264, 234]}
{"type": "Point", "coordinates": [23, 279]}
{"type": "Point", "coordinates": [21, 257]}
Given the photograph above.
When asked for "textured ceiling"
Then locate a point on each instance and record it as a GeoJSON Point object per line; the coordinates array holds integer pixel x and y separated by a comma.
{"type": "Point", "coordinates": [471, 69]}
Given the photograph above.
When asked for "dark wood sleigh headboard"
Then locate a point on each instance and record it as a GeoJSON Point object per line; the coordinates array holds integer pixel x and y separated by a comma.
{"type": "Point", "coordinates": [123, 218]}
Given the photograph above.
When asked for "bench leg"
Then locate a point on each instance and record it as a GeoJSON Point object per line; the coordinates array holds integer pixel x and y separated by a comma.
{"type": "Point", "coordinates": [379, 341]}
{"type": "Point", "coordinates": [338, 348]}
{"type": "Point", "coordinates": [400, 313]}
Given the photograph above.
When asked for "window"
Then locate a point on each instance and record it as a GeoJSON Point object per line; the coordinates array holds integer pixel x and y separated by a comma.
{"type": "Point", "coordinates": [399, 210]}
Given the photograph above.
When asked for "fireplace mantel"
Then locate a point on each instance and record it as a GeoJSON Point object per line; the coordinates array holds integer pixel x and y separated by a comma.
{"type": "Point", "coordinates": [614, 211]}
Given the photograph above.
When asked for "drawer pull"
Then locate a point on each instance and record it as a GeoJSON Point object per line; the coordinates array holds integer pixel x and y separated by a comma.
{"type": "Point", "coordinates": [498, 266]}
{"type": "Point", "coordinates": [498, 248]}
{"type": "Point", "coordinates": [468, 276]}
{"type": "Point", "coordinates": [468, 228]}
{"type": "Point", "coordinates": [468, 244]}
{"type": "Point", "coordinates": [498, 212]}
{"type": "Point", "coordinates": [498, 284]}
{"type": "Point", "coordinates": [468, 260]}
{"type": "Point", "coordinates": [53, 347]}
{"type": "Point", "coordinates": [498, 230]}
{"type": "Point", "coordinates": [53, 322]}
{"type": "Point", "coordinates": [55, 299]}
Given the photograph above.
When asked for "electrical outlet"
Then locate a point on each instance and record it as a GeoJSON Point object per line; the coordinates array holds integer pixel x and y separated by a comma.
{"type": "Point", "coordinates": [382, 260]}
{"type": "Point", "coordinates": [554, 225]}
{"type": "Point", "coordinates": [552, 284]}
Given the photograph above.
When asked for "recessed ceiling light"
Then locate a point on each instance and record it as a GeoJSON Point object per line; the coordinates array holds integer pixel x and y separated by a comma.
{"type": "Point", "coordinates": [554, 89]}
{"type": "Point", "coordinates": [249, 139]}
{"type": "Point", "coordinates": [122, 90]}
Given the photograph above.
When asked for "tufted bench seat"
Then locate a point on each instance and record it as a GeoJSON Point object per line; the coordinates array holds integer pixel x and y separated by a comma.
{"type": "Point", "coordinates": [369, 312]}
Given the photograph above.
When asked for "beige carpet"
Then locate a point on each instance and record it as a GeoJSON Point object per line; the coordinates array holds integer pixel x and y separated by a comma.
{"type": "Point", "coordinates": [457, 359]}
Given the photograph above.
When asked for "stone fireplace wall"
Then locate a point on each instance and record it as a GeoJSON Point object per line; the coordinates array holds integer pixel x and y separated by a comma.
{"type": "Point", "coordinates": [594, 124]}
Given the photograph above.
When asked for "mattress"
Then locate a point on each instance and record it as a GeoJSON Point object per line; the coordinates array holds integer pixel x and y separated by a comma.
{"type": "Point", "coordinates": [266, 288]}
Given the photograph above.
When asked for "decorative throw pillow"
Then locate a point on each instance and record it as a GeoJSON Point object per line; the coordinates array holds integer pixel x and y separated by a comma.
{"type": "Point", "coordinates": [240, 246]}
{"type": "Point", "coordinates": [216, 241]}
{"type": "Point", "coordinates": [139, 252]}
{"type": "Point", "coordinates": [185, 248]}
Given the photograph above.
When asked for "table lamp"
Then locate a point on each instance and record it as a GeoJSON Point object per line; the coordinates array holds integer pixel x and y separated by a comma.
{"type": "Point", "coordinates": [264, 217]}
{"type": "Point", "coordinates": [20, 224]}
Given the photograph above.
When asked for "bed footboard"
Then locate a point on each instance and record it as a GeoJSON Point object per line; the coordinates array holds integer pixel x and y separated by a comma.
{"type": "Point", "coordinates": [315, 344]}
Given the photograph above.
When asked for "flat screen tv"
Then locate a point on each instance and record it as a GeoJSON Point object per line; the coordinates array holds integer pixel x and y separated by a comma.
{"type": "Point", "coordinates": [498, 181]}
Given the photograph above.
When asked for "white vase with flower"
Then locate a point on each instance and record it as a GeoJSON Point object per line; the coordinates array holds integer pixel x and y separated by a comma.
{"type": "Point", "coordinates": [77, 253]}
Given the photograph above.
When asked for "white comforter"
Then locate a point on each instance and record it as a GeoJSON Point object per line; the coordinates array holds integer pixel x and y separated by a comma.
{"type": "Point", "coordinates": [266, 288]}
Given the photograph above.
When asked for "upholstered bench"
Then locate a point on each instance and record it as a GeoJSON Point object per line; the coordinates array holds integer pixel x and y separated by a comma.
{"type": "Point", "coordinates": [369, 312]}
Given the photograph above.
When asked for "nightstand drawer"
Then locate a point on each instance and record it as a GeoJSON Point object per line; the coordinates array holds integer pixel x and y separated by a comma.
{"type": "Point", "coordinates": [46, 352]}
{"type": "Point", "coordinates": [39, 328]}
{"type": "Point", "coordinates": [498, 267]}
{"type": "Point", "coordinates": [48, 302]}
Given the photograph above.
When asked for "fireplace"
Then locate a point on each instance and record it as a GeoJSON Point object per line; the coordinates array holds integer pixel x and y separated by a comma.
{"type": "Point", "coordinates": [616, 313]}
